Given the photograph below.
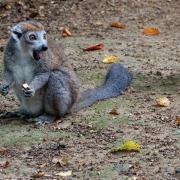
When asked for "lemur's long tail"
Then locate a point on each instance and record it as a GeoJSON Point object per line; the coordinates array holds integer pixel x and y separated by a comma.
{"type": "Point", "coordinates": [117, 80]}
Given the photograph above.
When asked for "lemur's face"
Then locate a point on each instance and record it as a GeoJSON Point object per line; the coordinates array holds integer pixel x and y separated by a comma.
{"type": "Point", "coordinates": [35, 43]}
{"type": "Point", "coordinates": [31, 38]}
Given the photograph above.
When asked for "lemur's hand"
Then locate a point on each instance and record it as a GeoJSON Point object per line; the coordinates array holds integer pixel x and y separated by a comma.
{"type": "Point", "coordinates": [27, 90]}
{"type": "Point", "coordinates": [4, 89]}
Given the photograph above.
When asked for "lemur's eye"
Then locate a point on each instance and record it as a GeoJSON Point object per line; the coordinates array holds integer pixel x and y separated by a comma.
{"type": "Point", "coordinates": [32, 37]}
{"type": "Point", "coordinates": [44, 36]}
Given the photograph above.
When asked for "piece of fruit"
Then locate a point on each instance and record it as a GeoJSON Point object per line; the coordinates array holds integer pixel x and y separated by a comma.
{"type": "Point", "coordinates": [25, 86]}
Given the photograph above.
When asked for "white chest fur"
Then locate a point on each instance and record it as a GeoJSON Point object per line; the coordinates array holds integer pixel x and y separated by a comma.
{"type": "Point", "coordinates": [23, 72]}
{"type": "Point", "coordinates": [23, 69]}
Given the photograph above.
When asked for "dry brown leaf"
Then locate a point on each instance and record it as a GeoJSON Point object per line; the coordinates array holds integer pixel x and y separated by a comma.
{"type": "Point", "coordinates": [43, 165]}
{"type": "Point", "coordinates": [38, 174]}
{"type": "Point", "coordinates": [8, 7]}
{"type": "Point", "coordinates": [117, 25]}
{"type": "Point", "coordinates": [3, 150]}
{"type": "Point", "coordinates": [66, 32]}
{"type": "Point", "coordinates": [62, 160]}
{"type": "Point", "coordinates": [4, 164]}
{"type": "Point", "coordinates": [162, 101]}
{"type": "Point", "coordinates": [178, 120]}
{"type": "Point", "coordinates": [151, 31]}
{"type": "Point", "coordinates": [114, 112]}
{"type": "Point", "coordinates": [94, 47]}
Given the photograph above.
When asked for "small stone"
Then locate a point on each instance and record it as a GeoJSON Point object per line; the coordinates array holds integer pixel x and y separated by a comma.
{"type": "Point", "coordinates": [123, 168]}
{"type": "Point", "coordinates": [158, 73]}
{"type": "Point", "coordinates": [170, 170]}
{"type": "Point", "coordinates": [177, 170]}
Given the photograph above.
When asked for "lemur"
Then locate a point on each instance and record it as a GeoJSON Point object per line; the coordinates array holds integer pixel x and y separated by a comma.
{"type": "Point", "coordinates": [52, 86]}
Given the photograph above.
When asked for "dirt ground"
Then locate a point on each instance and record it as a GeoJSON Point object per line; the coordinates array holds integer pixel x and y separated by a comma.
{"type": "Point", "coordinates": [82, 142]}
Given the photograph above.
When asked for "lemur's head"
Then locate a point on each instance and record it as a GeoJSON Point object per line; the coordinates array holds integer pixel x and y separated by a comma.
{"type": "Point", "coordinates": [31, 38]}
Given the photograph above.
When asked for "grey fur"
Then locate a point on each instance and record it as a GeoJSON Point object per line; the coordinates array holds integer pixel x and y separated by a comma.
{"type": "Point", "coordinates": [53, 87]}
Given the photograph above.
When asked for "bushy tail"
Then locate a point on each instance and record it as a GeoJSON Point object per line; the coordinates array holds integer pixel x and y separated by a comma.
{"type": "Point", "coordinates": [116, 81]}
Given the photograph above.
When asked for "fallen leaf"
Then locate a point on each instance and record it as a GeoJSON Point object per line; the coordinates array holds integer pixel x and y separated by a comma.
{"type": "Point", "coordinates": [110, 59]}
{"type": "Point", "coordinates": [66, 32]}
{"type": "Point", "coordinates": [117, 25]}
{"type": "Point", "coordinates": [94, 47]}
{"type": "Point", "coordinates": [8, 7]}
{"type": "Point", "coordinates": [62, 160]}
{"type": "Point", "coordinates": [33, 14]}
{"type": "Point", "coordinates": [38, 174]}
{"type": "Point", "coordinates": [64, 173]}
{"type": "Point", "coordinates": [20, 3]}
{"type": "Point", "coordinates": [162, 101]}
{"type": "Point", "coordinates": [127, 145]}
{"type": "Point", "coordinates": [4, 165]}
{"type": "Point", "coordinates": [3, 150]}
{"type": "Point", "coordinates": [114, 112]}
{"type": "Point", "coordinates": [178, 120]}
{"type": "Point", "coordinates": [43, 165]}
{"type": "Point", "coordinates": [151, 31]}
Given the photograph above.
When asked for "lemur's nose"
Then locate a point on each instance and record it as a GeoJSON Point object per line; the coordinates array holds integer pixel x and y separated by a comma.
{"type": "Point", "coordinates": [44, 47]}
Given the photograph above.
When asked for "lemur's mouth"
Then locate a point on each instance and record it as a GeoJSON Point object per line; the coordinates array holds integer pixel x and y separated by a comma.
{"type": "Point", "coordinates": [37, 55]}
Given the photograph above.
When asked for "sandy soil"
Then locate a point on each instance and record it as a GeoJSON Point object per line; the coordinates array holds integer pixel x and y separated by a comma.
{"type": "Point", "coordinates": [85, 139]}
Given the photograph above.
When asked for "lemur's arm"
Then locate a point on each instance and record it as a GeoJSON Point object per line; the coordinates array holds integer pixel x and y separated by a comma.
{"type": "Point", "coordinates": [37, 83]}
{"type": "Point", "coordinates": [7, 81]}
{"type": "Point", "coordinates": [42, 73]}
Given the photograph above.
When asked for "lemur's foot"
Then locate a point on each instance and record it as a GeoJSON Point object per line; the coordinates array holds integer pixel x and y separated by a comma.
{"type": "Point", "coordinates": [44, 119]}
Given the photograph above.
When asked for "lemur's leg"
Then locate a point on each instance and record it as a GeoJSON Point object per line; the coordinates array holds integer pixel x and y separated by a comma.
{"type": "Point", "coordinates": [20, 113]}
{"type": "Point", "coordinates": [59, 97]}
{"type": "Point", "coordinates": [44, 119]}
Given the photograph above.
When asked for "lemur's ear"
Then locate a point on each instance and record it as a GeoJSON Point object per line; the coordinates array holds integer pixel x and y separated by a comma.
{"type": "Point", "coordinates": [16, 32]}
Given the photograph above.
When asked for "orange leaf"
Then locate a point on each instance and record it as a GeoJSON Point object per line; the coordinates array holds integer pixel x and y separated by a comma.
{"type": "Point", "coordinates": [95, 47]}
{"type": "Point", "coordinates": [117, 25]}
{"type": "Point", "coordinates": [151, 32]}
{"type": "Point", "coordinates": [178, 120]}
{"type": "Point", "coordinates": [66, 32]}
